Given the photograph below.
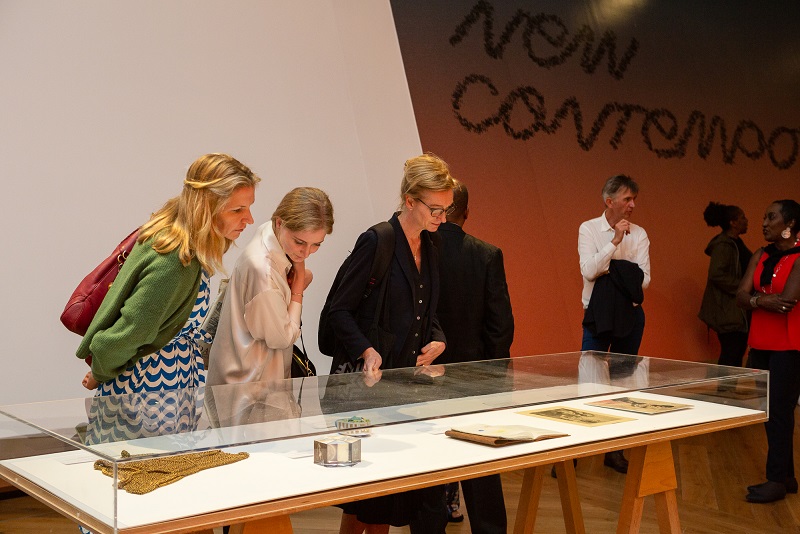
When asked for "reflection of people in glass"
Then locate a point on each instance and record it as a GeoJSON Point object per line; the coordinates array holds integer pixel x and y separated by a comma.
{"type": "Point", "coordinates": [140, 339]}
{"type": "Point", "coordinates": [260, 319]}
{"type": "Point", "coordinates": [729, 257]}
{"type": "Point", "coordinates": [410, 320]}
{"type": "Point", "coordinates": [238, 405]}
{"type": "Point", "coordinates": [770, 288]}
{"type": "Point", "coordinates": [142, 414]}
{"type": "Point", "coordinates": [630, 372]}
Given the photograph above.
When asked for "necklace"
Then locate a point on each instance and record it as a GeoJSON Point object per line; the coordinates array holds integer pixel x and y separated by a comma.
{"type": "Point", "coordinates": [768, 289]}
{"type": "Point", "coordinates": [416, 251]}
{"type": "Point", "coordinates": [777, 270]}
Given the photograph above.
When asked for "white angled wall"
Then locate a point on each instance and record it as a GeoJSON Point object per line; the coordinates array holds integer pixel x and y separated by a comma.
{"type": "Point", "coordinates": [103, 106]}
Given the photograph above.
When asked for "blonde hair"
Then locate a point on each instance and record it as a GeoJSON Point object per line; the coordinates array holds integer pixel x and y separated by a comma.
{"type": "Point", "coordinates": [427, 172]}
{"type": "Point", "coordinates": [188, 222]}
{"type": "Point", "coordinates": [305, 208]}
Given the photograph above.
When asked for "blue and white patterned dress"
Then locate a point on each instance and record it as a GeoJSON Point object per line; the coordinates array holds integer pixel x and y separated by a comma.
{"type": "Point", "coordinates": [159, 394]}
{"type": "Point", "coordinates": [177, 365]}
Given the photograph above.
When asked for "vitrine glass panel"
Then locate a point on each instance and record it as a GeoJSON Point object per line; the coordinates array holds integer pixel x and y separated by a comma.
{"type": "Point", "coordinates": [75, 449]}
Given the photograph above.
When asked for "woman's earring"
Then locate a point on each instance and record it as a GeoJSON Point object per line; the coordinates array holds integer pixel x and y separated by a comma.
{"type": "Point", "coordinates": [787, 233]}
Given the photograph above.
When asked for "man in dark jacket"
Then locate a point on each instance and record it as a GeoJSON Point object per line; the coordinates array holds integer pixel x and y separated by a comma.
{"type": "Point", "coordinates": [475, 314]}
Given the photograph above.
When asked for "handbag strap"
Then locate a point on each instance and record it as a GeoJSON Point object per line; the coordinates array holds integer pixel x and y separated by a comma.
{"type": "Point", "coordinates": [302, 379]}
{"type": "Point", "coordinates": [302, 343]}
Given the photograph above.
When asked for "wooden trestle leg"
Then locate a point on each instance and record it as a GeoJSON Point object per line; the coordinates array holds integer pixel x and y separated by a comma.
{"type": "Point", "coordinates": [531, 492]}
{"type": "Point", "coordinates": [651, 471]}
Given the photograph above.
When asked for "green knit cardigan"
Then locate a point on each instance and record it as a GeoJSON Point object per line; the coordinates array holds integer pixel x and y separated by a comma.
{"type": "Point", "coordinates": [148, 304]}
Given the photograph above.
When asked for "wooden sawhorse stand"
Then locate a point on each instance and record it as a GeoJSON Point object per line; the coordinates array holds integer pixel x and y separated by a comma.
{"type": "Point", "coordinates": [651, 471]}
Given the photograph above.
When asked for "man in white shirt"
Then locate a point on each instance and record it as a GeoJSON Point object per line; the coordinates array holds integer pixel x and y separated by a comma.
{"type": "Point", "coordinates": [613, 237]}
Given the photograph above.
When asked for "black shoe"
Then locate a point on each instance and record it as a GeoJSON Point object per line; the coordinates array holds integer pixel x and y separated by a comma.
{"type": "Point", "coordinates": [791, 486]}
{"type": "Point", "coordinates": [767, 492]}
{"type": "Point", "coordinates": [616, 461]}
{"type": "Point", "coordinates": [454, 516]}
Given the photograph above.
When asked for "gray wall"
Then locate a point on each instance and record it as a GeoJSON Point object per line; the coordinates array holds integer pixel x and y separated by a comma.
{"type": "Point", "coordinates": [105, 104]}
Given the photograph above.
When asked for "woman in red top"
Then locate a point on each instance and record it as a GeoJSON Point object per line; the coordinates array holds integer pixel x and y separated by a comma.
{"type": "Point", "coordinates": [770, 288]}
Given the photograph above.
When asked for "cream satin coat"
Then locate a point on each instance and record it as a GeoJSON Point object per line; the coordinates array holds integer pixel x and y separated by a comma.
{"type": "Point", "coordinates": [259, 322]}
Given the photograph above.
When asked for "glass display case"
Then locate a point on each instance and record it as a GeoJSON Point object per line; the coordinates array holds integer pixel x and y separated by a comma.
{"type": "Point", "coordinates": [134, 463]}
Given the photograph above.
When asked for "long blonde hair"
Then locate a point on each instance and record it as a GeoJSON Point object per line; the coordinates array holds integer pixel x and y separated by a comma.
{"type": "Point", "coordinates": [305, 208]}
{"type": "Point", "coordinates": [188, 222]}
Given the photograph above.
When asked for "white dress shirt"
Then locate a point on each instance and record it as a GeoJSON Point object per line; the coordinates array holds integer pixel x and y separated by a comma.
{"type": "Point", "coordinates": [259, 322]}
{"type": "Point", "coordinates": [596, 252]}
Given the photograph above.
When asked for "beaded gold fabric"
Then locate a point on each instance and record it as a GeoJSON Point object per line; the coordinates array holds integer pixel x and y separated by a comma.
{"type": "Point", "coordinates": [144, 476]}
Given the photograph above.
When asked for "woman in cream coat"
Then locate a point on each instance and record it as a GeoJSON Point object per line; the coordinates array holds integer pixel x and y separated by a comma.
{"type": "Point", "coordinates": [260, 319]}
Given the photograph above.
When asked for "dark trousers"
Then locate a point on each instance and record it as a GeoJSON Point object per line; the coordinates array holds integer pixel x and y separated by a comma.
{"type": "Point", "coordinates": [732, 346]}
{"type": "Point", "coordinates": [486, 508]}
{"type": "Point", "coordinates": [432, 514]}
{"type": "Point", "coordinates": [784, 389]}
{"type": "Point", "coordinates": [621, 345]}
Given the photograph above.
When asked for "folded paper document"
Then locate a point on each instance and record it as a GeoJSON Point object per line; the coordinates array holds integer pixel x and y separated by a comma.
{"type": "Point", "coordinates": [498, 435]}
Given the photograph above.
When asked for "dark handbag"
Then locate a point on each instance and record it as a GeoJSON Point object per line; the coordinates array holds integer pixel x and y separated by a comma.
{"type": "Point", "coordinates": [302, 366]}
{"type": "Point", "coordinates": [87, 297]}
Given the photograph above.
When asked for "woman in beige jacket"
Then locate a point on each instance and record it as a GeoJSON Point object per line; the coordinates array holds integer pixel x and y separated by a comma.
{"type": "Point", "coordinates": [260, 319]}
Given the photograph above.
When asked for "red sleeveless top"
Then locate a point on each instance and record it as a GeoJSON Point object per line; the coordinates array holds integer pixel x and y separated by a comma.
{"type": "Point", "coordinates": [770, 330]}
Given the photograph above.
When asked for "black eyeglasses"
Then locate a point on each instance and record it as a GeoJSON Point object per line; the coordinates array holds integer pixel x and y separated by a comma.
{"type": "Point", "coordinates": [437, 212]}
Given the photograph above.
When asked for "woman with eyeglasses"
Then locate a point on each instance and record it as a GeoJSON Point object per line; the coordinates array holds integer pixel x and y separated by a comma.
{"type": "Point", "coordinates": [408, 315]}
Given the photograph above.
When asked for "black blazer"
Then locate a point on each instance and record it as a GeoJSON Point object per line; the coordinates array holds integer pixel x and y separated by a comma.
{"type": "Point", "coordinates": [610, 309]}
{"type": "Point", "coordinates": [474, 306]}
{"type": "Point", "coordinates": [351, 315]}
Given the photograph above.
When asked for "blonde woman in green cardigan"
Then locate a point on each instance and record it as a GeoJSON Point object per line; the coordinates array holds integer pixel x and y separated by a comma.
{"type": "Point", "coordinates": [144, 336]}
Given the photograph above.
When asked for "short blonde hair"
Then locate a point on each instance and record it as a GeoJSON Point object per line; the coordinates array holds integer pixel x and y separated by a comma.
{"type": "Point", "coordinates": [305, 208]}
{"type": "Point", "coordinates": [188, 222]}
{"type": "Point", "coordinates": [427, 172]}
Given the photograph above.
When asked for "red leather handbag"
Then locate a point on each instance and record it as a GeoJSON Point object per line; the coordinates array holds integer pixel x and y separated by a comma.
{"type": "Point", "coordinates": [87, 297]}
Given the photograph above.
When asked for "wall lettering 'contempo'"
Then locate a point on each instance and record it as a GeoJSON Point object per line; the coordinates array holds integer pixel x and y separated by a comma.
{"type": "Point", "coordinates": [659, 128]}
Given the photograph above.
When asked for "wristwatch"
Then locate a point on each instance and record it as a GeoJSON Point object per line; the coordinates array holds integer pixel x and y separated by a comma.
{"type": "Point", "coordinates": [754, 301]}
